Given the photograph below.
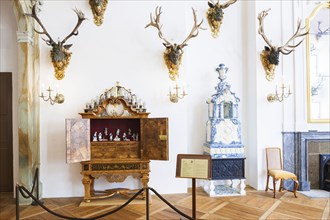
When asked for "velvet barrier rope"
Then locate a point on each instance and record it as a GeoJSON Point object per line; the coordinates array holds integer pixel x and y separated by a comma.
{"type": "Point", "coordinates": [27, 194]}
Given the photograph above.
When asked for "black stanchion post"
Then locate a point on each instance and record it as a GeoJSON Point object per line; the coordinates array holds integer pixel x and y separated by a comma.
{"type": "Point", "coordinates": [37, 183]}
{"type": "Point", "coordinates": [147, 201]}
{"type": "Point", "coordinates": [194, 198]}
{"type": "Point", "coordinates": [17, 202]}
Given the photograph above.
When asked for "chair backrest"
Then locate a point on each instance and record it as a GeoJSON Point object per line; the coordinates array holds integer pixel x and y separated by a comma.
{"type": "Point", "coordinates": [273, 158]}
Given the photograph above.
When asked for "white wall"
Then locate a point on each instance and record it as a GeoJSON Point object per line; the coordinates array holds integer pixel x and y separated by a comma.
{"type": "Point", "coordinates": [291, 114]}
{"type": "Point", "coordinates": [8, 63]}
{"type": "Point", "coordinates": [122, 50]}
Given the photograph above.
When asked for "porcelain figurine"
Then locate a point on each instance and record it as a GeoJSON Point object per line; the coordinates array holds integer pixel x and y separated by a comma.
{"type": "Point", "coordinates": [117, 138]}
{"type": "Point", "coordinates": [95, 136]}
{"type": "Point", "coordinates": [100, 136]}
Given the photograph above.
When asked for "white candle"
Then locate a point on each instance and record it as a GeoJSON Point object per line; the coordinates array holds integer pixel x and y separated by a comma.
{"type": "Point", "coordinates": [289, 85]}
{"type": "Point", "coordinates": [276, 88]}
{"type": "Point", "coordinates": [42, 89]}
{"type": "Point", "coordinates": [49, 83]}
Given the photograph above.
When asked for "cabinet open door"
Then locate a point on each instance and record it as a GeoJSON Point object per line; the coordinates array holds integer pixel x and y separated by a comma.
{"type": "Point", "coordinates": [154, 138]}
{"type": "Point", "coordinates": [78, 147]}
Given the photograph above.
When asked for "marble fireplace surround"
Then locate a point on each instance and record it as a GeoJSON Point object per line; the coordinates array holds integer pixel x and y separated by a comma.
{"type": "Point", "coordinates": [295, 155]}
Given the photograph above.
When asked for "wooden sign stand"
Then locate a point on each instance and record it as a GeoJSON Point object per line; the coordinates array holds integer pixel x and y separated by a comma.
{"type": "Point", "coordinates": [193, 166]}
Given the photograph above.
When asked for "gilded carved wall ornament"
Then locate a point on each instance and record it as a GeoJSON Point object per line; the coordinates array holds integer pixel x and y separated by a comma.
{"type": "Point", "coordinates": [215, 15]}
{"type": "Point", "coordinates": [59, 53]}
{"type": "Point", "coordinates": [173, 52]}
{"type": "Point", "coordinates": [98, 8]}
{"type": "Point", "coordinates": [270, 55]}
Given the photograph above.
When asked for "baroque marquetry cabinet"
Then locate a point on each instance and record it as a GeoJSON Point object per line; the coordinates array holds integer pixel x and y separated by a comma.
{"type": "Point", "coordinates": [115, 139]}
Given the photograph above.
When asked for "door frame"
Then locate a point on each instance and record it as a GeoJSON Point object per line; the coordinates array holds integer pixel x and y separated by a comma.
{"type": "Point", "coordinates": [9, 104]}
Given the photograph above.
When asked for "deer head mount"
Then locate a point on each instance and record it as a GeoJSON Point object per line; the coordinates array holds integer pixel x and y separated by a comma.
{"type": "Point", "coordinates": [59, 53]}
{"type": "Point", "coordinates": [215, 15]}
{"type": "Point", "coordinates": [98, 8]}
{"type": "Point", "coordinates": [270, 55]}
{"type": "Point", "coordinates": [173, 52]}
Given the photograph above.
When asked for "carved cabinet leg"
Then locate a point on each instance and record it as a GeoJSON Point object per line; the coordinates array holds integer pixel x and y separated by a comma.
{"type": "Point", "coordinates": [144, 180]}
{"type": "Point", "coordinates": [87, 185]}
{"type": "Point", "coordinates": [92, 185]}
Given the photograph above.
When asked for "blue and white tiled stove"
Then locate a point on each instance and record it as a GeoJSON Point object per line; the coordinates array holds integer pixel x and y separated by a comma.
{"type": "Point", "coordinates": [223, 141]}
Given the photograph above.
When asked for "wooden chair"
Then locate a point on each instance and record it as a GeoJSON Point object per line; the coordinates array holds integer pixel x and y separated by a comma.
{"type": "Point", "coordinates": [275, 170]}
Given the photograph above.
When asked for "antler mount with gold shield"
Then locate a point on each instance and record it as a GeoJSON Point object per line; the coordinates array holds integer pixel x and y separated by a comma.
{"type": "Point", "coordinates": [173, 52]}
{"type": "Point", "coordinates": [60, 54]}
{"type": "Point", "coordinates": [270, 55]}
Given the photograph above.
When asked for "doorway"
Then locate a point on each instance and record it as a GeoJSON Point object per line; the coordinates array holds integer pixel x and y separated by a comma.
{"type": "Point", "coordinates": [6, 133]}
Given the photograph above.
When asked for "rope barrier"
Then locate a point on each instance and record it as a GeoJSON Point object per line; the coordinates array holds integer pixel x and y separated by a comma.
{"type": "Point", "coordinates": [22, 190]}
{"type": "Point", "coordinates": [29, 194]}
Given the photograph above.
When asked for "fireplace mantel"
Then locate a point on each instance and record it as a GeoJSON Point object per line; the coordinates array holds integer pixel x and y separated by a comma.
{"type": "Point", "coordinates": [295, 155]}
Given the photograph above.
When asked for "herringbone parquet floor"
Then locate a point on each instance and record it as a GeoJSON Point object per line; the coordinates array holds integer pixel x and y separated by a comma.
{"type": "Point", "coordinates": [255, 205]}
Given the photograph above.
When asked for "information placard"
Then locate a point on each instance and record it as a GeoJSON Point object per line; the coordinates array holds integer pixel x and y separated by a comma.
{"type": "Point", "coordinates": [193, 166]}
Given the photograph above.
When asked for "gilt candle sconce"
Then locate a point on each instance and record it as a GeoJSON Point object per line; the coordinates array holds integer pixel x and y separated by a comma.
{"type": "Point", "coordinates": [60, 54]}
{"type": "Point", "coordinates": [177, 91]}
{"type": "Point", "coordinates": [270, 55]}
{"type": "Point", "coordinates": [98, 8]}
{"type": "Point", "coordinates": [285, 92]}
{"type": "Point", "coordinates": [215, 15]}
{"type": "Point", "coordinates": [47, 95]}
{"type": "Point", "coordinates": [173, 52]}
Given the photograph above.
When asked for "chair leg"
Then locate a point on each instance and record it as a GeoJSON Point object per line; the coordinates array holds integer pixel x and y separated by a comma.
{"type": "Point", "coordinates": [296, 188]}
{"type": "Point", "coordinates": [267, 182]}
{"type": "Point", "coordinates": [281, 186]}
{"type": "Point", "coordinates": [274, 185]}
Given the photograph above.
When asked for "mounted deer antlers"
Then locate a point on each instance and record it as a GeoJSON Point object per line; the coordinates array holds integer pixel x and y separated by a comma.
{"type": "Point", "coordinates": [173, 52]}
{"type": "Point", "coordinates": [270, 55]}
{"type": "Point", "coordinates": [215, 15]}
{"type": "Point", "coordinates": [59, 54]}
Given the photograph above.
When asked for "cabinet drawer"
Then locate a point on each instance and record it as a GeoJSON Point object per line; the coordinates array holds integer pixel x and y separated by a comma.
{"type": "Point", "coordinates": [118, 151]}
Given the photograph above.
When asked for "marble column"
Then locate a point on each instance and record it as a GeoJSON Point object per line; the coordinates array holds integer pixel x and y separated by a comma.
{"type": "Point", "coordinates": [28, 99]}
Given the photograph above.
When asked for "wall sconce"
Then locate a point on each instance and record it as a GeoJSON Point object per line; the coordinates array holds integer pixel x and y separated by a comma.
{"type": "Point", "coordinates": [176, 92]}
{"type": "Point", "coordinates": [279, 97]}
{"type": "Point", "coordinates": [58, 98]}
